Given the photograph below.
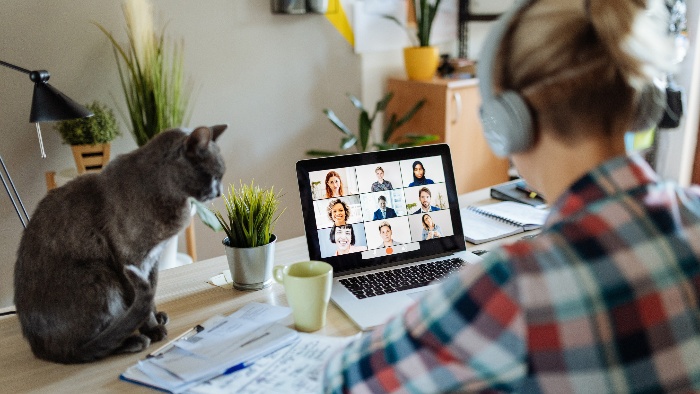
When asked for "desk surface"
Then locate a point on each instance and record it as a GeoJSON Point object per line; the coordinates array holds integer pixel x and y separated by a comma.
{"type": "Point", "coordinates": [183, 293]}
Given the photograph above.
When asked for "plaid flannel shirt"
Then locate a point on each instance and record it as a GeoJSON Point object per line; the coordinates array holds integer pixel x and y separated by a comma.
{"type": "Point", "coordinates": [605, 299]}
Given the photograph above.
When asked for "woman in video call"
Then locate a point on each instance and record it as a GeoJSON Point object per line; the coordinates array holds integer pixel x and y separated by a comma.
{"type": "Point", "coordinates": [343, 237]}
{"type": "Point", "coordinates": [338, 212]}
{"type": "Point", "coordinates": [430, 229]}
{"type": "Point", "coordinates": [381, 184]}
{"type": "Point", "coordinates": [419, 178]}
{"type": "Point", "coordinates": [334, 186]}
{"type": "Point", "coordinates": [605, 299]}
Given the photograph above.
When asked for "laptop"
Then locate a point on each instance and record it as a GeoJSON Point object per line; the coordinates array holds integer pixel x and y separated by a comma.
{"type": "Point", "coordinates": [389, 231]}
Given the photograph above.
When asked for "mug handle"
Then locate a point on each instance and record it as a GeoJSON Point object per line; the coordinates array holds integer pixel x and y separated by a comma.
{"type": "Point", "coordinates": [278, 273]}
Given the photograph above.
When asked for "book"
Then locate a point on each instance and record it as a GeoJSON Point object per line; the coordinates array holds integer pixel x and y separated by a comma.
{"type": "Point", "coordinates": [499, 220]}
{"type": "Point", "coordinates": [518, 191]}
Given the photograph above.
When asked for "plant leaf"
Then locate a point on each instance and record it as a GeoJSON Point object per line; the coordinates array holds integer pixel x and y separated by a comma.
{"type": "Point", "coordinates": [365, 129]}
{"type": "Point", "coordinates": [417, 139]}
{"type": "Point", "coordinates": [348, 142]}
{"type": "Point", "coordinates": [410, 113]}
{"type": "Point", "coordinates": [321, 153]}
{"type": "Point", "coordinates": [381, 104]}
{"type": "Point", "coordinates": [337, 122]}
{"type": "Point", "coordinates": [208, 217]}
{"type": "Point", "coordinates": [356, 102]}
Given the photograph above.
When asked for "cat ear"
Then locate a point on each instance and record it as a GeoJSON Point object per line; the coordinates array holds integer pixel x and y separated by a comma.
{"type": "Point", "coordinates": [218, 130]}
{"type": "Point", "coordinates": [198, 140]}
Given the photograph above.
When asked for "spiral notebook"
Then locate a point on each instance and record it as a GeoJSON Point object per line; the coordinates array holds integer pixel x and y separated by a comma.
{"type": "Point", "coordinates": [499, 220]}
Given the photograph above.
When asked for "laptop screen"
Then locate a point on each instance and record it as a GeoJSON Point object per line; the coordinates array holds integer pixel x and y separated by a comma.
{"type": "Point", "coordinates": [373, 209]}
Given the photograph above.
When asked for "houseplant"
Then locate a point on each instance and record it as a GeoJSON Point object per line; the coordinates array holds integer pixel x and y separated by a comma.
{"type": "Point", "coordinates": [361, 141]}
{"type": "Point", "coordinates": [151, 73]}
{"type": "Point", "coordinates": [249, 221]}
{"type": "Point", "coordinates": [156, 90]}
{"type": "Point", "coordinates": [90, 138]}
{"type": "Point", "coordinates": [422, 59]}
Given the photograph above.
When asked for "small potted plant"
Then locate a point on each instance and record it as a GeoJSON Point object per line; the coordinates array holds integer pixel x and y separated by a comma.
{"type": "Point", "coordinates": [422, 59]}
{"type": "Point", "coordinates": [90, 138]}
{"type": "Point", "coordinates": [249, 221]}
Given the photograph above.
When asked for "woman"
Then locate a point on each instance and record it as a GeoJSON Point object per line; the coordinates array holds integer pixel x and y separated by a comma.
{"type": "Point", "coordinates": [338, 212]}
{"type": "Point", "coordinates": [605, 298]}
{"type": "Point", "coordinates": [430, 229]}
{"type": "Point", "coordinates": [334, 186]}
{"type": "Point", "coordinates": [343, 237]}
{"type": "Point", "coordinates": [419, 178]}
{"type": "Point", "coordinates": [381, 184]}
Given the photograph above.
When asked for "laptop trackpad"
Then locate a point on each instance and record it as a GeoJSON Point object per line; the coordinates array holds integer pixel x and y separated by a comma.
{"type": "Point", "coordinates": [416, 295]}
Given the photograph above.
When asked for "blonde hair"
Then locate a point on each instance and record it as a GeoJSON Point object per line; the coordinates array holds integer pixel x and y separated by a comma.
{"type": "Point", "coordinates": [584, 62]}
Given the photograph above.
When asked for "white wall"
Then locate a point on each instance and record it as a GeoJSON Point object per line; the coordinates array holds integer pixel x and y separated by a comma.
{"type": "Point", "coordinates": [267, 76]}
{"type": "Point", "coordinates": [677, 146]}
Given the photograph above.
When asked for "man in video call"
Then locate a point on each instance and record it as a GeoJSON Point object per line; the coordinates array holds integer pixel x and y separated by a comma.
{"type": "Point", "coordinates": [383, 212]}
{"type": "Point", "coordinates": [387, 235]}
{"type": "Point", "coordinates": [424, 196]}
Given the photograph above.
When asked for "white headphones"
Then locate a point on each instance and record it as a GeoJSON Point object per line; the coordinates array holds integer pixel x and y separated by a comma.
{"type": "Point", "coordinates": [506, 118]}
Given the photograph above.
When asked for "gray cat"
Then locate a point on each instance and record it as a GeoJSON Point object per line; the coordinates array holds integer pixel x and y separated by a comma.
{"type": "Point", "coordinates": [86, 267]}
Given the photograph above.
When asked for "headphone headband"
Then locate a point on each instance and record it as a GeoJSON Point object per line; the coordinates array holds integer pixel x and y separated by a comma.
{"type": "Point", "coordinates": [505, 117]}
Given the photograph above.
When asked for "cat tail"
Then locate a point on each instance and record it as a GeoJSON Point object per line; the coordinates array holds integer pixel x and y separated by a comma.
{"type": "Point", "coordinates": [122, 327]}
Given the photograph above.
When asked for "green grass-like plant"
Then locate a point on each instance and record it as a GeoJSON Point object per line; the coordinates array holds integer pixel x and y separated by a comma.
{"type": "Point", "coordinates": [100, 128]}
{"type": "Point", "coordinates": [251, 214]}
{"type": "Point", "coordinates": [425, 15]}
{"type": "Point", "coordinates": [151, 74]}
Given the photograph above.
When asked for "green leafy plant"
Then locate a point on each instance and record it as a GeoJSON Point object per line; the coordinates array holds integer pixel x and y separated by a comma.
{"type": "Point", "coordinates": [251, 214]}
{"type": "Point", "coordinates": [100, 128]}
{"type": "Point", "coordinates": [151, 74]}
{"type": "Point", "coordinates": [361, 141]}
{"type": "Point", "coordinates": [425, 15]}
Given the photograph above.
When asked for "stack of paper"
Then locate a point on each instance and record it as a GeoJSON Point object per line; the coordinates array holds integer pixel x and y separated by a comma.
{"type": "Point", "coordinates": [224, 345]}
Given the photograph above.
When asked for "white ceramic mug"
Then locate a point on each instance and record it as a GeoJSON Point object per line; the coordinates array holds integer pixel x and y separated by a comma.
{"type": "Point", "coordinates": [308, 288]}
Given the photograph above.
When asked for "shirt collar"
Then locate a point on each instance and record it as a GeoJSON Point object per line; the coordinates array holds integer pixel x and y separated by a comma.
{"type": "Point", "coordinates": [618, 175]}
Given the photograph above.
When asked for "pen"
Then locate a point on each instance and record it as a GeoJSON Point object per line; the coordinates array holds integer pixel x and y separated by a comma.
{"type": "Point", "coordinates": [192, 331]}
{"type": "Point", "coordinates": [530, 193]}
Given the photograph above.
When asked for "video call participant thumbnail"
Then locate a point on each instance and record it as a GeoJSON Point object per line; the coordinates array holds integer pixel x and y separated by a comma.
{"type": "Point", "coordinates": [424, 196]}
{"type": "Point", "coordinates": [383, 212]}
{"type": "Point", "coordinates": [343, 237]}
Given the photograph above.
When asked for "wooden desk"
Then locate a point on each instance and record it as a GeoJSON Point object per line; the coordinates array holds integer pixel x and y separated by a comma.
{"type": "Point", "coordinates": [184, 294]}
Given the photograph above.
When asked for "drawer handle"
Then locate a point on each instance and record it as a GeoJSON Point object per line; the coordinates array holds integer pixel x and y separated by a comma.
{"type": "Point", "coordinates": [458, 104]}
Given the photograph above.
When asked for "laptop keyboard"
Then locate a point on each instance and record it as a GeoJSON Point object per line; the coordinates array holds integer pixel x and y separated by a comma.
{"type": "Point", "coordinates": [398, 279]}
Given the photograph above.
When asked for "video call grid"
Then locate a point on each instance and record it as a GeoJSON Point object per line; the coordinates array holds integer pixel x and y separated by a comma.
{"type": "Point", "coordinates": [354, 192]}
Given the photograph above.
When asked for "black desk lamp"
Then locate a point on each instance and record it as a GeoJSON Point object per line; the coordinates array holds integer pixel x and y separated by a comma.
{"type": "Point", "coordinates": [48, 104]}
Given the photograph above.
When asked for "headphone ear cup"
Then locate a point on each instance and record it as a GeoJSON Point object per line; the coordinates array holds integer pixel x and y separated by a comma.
{"type": "Point", "coordinates": [508, 126]}
{"type": "Point", "coordinates": [650, 108]}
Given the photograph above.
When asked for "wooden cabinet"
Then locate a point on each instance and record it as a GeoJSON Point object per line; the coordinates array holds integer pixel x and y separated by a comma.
{"type": "Point", "coordinates": [451, 112]}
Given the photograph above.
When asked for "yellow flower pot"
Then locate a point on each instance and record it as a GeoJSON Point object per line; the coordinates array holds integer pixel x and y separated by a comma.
{"type": "Point", "coordinates": [421, 62]}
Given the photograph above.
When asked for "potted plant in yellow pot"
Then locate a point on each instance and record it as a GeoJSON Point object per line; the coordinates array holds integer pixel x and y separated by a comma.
{"type": "Point", "coordinates": [90, 138]}
{"type": "Point", "coordinates": [249, 219]}
{"type": "Point", "coordinates": [421, 61]}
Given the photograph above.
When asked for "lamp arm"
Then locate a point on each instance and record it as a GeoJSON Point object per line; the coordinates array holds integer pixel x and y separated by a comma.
{"type": "Point", "coordinates": [36, 76]}
{"type": "Point", "coordinates": [16, 68]}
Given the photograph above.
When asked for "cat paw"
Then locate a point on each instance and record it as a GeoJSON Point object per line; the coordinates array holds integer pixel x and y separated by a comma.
{"type": "Point", "coordinates": [134, 344]}
{"type": "Point", "coordinates": [155, 333]}
{"type": "Point", "coordinates": [162, 318]}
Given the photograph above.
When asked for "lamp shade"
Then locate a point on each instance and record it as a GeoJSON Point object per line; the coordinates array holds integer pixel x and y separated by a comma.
{"type": "Point", "coordinates": [48, 104]}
